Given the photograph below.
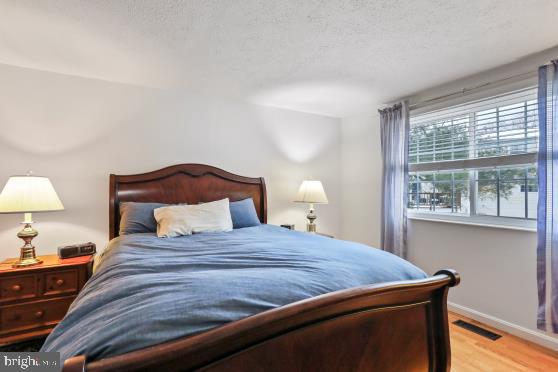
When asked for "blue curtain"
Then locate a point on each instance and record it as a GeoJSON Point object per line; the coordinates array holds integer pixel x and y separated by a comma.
{"type": "Point", "coordinates": [547, 214]}
{"type": "Point", "coordinates": [394, 123]}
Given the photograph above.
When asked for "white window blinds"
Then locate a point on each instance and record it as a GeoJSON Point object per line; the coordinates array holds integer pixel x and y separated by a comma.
{"type": "Point", "coordinates": [498, 131]}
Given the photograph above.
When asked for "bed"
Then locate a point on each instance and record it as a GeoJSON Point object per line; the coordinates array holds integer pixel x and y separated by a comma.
{"type": "Point", "coordinates": [254, 299]}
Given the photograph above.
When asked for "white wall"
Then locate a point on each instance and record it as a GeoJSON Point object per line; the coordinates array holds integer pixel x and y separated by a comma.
{"type": "Point", "coordinates": [77, 131]}
{"type": "Point", "coordinates": [361, 174]}
{"type": "Point", "coordinates": [498, 266]}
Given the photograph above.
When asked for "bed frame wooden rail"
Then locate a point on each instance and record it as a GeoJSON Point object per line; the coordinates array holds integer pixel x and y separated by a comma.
{"type": "Point", "coordinates": [398, 326]}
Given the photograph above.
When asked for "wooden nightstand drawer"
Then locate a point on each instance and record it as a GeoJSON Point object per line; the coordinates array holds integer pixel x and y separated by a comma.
{"type": "Point", "coordinates": [33, 299]}
{"type": "Point", "coordinates": [17, 318]}
{"type": "Point", "coordinates": [18, 287]}
{"type": "Point", "coordinates": [58, 282]}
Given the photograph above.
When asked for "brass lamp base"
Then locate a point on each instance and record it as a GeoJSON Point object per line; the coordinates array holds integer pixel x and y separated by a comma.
{"type": "Point", "coordinates": [27, 261]}
{"type": "Point", "coordinates": [311, 216]}
{"type": "Point", "coordinates": [27, 255]}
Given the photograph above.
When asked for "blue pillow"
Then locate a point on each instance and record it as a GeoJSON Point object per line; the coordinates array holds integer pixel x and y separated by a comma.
{"type": "Point", "coordinates": [138, 217]}
{"type": "Point", "coordinates": [243, 214]}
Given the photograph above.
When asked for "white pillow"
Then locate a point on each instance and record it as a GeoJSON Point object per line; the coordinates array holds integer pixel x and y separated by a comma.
{"type": "Point", "coordinates": [176, 220]}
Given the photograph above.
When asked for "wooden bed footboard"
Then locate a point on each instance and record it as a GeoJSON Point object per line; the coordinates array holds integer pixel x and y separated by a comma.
{"type": "Point", "coordinates": [398, 326]}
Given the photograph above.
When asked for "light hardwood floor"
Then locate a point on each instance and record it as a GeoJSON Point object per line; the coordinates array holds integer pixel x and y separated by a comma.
{"type": "Point", "coordinates": [471, 352]}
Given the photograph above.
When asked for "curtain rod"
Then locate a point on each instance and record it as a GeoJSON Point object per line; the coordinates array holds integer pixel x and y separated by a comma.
{"type": "Point", "coordinates": [468, 90]}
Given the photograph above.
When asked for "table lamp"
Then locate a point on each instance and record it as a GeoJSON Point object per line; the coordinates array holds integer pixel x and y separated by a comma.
{"type": "Point", "coordinates": [311, 192]}
{"type": "Point", "coordinates": [28, 194]}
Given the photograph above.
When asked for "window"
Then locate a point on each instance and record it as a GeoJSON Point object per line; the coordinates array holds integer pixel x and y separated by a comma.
{"type": "Point", "coordinates": [476, 159]}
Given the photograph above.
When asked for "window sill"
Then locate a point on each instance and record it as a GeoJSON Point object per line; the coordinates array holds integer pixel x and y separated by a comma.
{"type": "Point", "coordinates": [481, 221]}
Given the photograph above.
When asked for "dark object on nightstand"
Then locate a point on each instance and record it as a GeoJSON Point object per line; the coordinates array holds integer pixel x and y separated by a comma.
{"type": "Point", "coordinates": [34, 299]}
{"type": "Point", "coordinates": [76, 250]}
{"type": "Point", "coordinates": [290, 227]}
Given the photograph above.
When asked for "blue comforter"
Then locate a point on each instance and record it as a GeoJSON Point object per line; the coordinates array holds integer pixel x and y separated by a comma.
{"type": "Point", "coordinates": [148, 290]}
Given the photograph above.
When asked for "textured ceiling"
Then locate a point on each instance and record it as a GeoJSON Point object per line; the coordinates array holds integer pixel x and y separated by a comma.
{"type": "Point", "coordinates": [328, 57]}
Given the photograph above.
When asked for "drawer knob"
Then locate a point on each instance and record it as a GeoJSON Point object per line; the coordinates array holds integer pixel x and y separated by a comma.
{"type": "Point", "coordinates": [39, 314]}
{"type": "Point", "coordinates": [16, 287]}
{"type": "Point", "coordinates": [59, 282]}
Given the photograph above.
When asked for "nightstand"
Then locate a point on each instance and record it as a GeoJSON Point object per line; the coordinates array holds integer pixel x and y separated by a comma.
{"type": "Point", "coordinates": [34, 299]}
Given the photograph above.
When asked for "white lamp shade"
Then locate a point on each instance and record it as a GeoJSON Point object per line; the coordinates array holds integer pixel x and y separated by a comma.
{"type": "Point", "coordinates": [29, 194]}
{"type": "Point", "coordinates": [311, 192]}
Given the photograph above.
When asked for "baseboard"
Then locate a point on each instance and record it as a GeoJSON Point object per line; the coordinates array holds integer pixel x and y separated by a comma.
{"type": "Point", "coordinates": [514, 329]}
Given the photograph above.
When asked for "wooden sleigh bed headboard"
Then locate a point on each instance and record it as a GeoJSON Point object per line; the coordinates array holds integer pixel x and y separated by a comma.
{"type": "Point", "coordinates": [183, 183]}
